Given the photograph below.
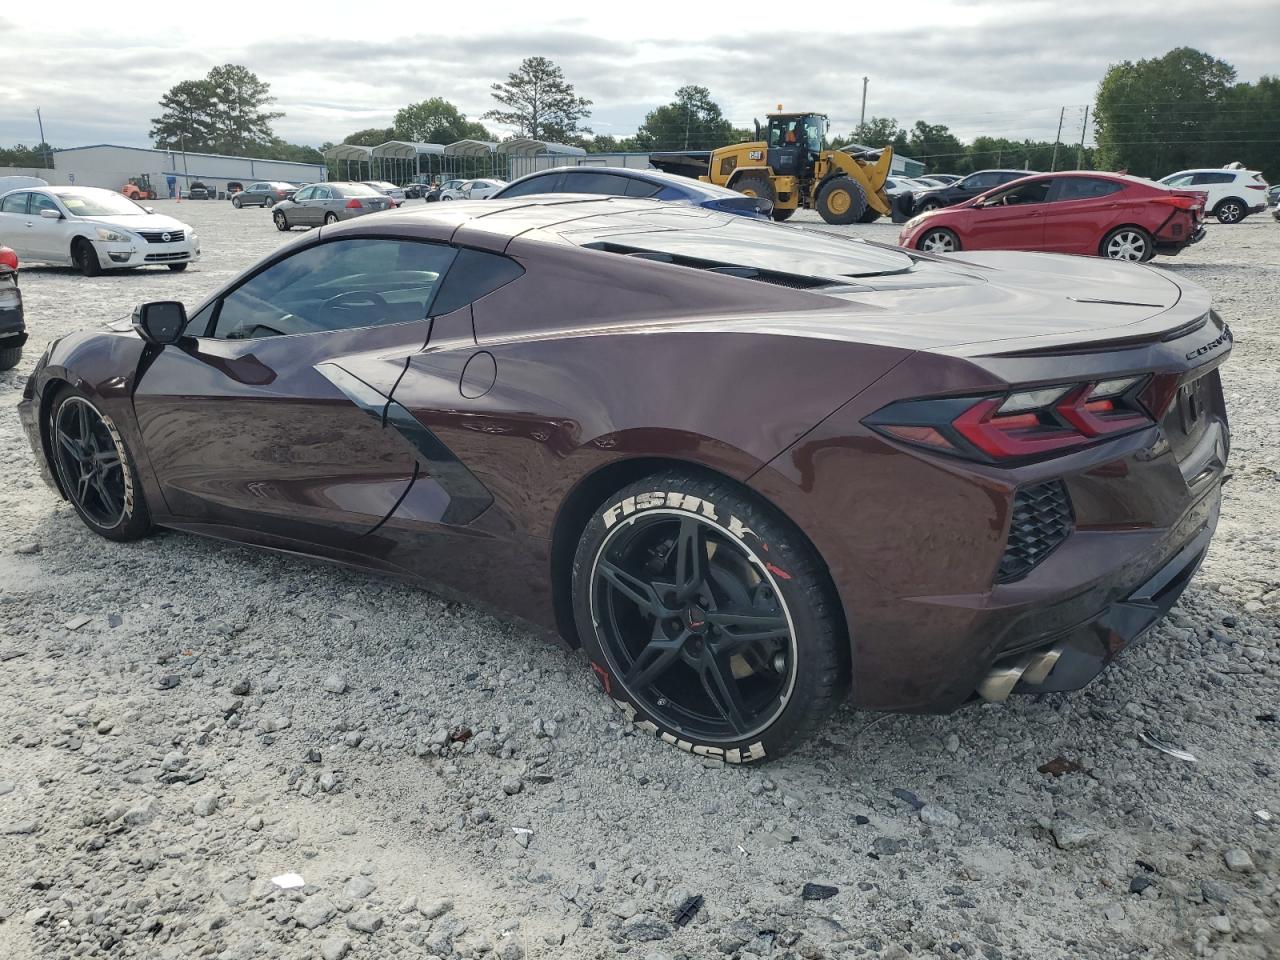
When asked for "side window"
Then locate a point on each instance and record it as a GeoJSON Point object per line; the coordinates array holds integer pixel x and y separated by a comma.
{"type": "Point", "coordinates": [336, 286]}
{"type": "Point", "coordinates": [643, 188]}
{"type": "Point", "coordinates": [979, 181]}
{"type": "Point", "coordinates": [544, 184]}
{"type": "Point", "coordinates": [1010, 176]}
{"type": "Point", "coordinates": [323, 193]}
{"type": "Point", "coordinates": [14, 203]}
{"type": "Point", "coordinates": [1085, 188]}
{"type": "Point", "coordinates": [1182, 181]}
{"type": "Point", "coordinates": [40, 201]}
{"type": "Point", "coordinates": [473, 274]}
{"type": "Point", "coordinates": [306, 193]}
{"type": "Point", "coordinates": [1036, 192]}
{"type": "Point", "coordinates": [606, 184]}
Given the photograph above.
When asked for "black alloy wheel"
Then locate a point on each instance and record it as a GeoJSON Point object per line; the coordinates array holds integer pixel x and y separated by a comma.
{"type": "Point", "coordinates": [708, 617]}
{"type": "Point", "coordinates": [694, 627]}
{"type": "Point", "coordinates": [94, 468]}
{"type": "Point", "coordinates": [89, 462]}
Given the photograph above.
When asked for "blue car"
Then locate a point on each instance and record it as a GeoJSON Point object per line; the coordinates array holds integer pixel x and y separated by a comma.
{"type": "Point", "coordinates": [625, 182]}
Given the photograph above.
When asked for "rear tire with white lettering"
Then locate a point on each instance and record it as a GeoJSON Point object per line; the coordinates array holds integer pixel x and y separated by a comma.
{"type": "Point", "coordinates": [708, 618]}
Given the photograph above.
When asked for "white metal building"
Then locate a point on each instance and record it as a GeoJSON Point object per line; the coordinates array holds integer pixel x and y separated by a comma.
{"type": "Point", "coordinates": [110, 166]}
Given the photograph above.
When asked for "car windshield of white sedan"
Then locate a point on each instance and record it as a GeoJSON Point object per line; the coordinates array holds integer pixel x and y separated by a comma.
{"type": "Point", "coordinates": [104, 204]}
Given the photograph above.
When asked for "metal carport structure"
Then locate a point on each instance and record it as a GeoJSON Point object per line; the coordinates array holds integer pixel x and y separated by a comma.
{"type": "Point", "coordinates": [399, 160]}
{"type": "Point", "coordinates": [521, 154]}
{"type": "Point", "coordinates": [341, 156]}
{"type": "Point", "coordinates": [471, 158]}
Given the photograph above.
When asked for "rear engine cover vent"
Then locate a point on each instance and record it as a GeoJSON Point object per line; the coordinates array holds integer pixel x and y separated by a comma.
{"type": "Point", "coordinates": [1041, 521]}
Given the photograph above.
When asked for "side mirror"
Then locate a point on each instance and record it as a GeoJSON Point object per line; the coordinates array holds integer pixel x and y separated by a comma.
{"type": "Point", "coordinates": [160, 322]}
{"type": "Point", "coordinates": [51, 214]}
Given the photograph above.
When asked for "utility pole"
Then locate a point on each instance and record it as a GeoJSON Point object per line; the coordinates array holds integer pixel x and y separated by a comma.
{"type": "Point", "coordinates": [1083, 127]}
{"type": "Point", "coordinates": [688, 113]}
{"type": "Point", "coordinates": [48, 158]}
{"type": "Point", "coordinates": [862, 117]}
{"type": "Point", "coordinates": [1053, 164]}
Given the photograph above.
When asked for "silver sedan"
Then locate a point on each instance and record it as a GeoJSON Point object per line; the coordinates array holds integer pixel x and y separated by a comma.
{"type": "Point", "coordinates": [330, 202]}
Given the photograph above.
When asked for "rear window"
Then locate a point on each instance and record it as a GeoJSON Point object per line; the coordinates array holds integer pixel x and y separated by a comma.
{"type": "Point", "coordinates": [1084, 188]}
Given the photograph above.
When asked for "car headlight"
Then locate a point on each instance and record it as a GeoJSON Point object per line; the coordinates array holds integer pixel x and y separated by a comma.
{"type": "Point", "coordinates": [912, 223]}
{"type": "Point", "coordinates": [113, 236]}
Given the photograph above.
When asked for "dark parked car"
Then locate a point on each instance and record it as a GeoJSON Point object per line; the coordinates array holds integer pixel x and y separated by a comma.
{"type": "Point", "coordinates": [1091, 214]}
{"type": "Point", "coordinates": [965, 189]}
{"type": "Point", "coordinates": [751, 469]}
{"type": "Point", "coordinates": [626, 182]}
{"type": "Point", "coordinates": [264, 193]}
{"type": "Point", "coordinates": [13, 328]}
{"type": "Point", "coordinates": [321, 203]}
{"type": "Point", "coordinates": [198, 191]}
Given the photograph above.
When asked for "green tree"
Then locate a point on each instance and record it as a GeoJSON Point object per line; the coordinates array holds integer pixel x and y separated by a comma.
{"type": "Point", "coordinates": [1160, 115]}
{"type": "Point", "coordinates": [693, 121]}
{"type": "Point", "coordinates": [933, 144]}
{"type": "Point", "coordinates": [225, 112]}
{"type": "Point", "coordinates": [876, 132]}
{"type": "Point", "coordinates": [436, 120]}
{"type": "Point", "coordinates": [20, 155]}
{"type": "Point", "coordinates": [371, 136]}
{"type": "Point", "coordinates": [186, 117]}
{"type": "Point", "coordinates": [539, 102]}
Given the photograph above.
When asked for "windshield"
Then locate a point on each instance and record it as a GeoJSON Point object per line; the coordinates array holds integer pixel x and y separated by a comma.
{"type": "Point", "coordinates": [102, 203]}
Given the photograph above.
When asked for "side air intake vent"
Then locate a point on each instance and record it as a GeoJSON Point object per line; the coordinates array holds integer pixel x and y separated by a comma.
{"type": "Point", "coordinates": [713, 266]}
{"type": "Point", "coordinates": [1041, 521]}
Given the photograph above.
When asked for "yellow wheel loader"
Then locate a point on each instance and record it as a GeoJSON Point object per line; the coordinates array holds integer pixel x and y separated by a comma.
{"type": "Point", "coordinates": [788, 165]}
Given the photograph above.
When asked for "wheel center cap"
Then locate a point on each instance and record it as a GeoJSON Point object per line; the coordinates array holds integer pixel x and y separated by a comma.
{"type": "Point", "coordinates": [695, 618]}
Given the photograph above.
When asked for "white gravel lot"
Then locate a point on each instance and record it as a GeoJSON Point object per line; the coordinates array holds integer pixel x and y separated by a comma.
{"type": "Point", "coordinates": [171, 738]}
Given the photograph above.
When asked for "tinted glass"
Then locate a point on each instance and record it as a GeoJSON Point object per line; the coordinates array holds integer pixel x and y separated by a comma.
{"type": "Point", "coordinates": [643, 188]}
{"type": "Point", "coordinates": [979, 181]}
{"type": "Point", "coordinates": [1036, 192]}
{"type": "Point", "coordinates": [1213, 178]}
{"type": "Point", "coordinates": [336, 286]}
{"type": "Point", "coordinates": [547, 183]}
{"type": "Point", "coordinates": [258, 188]}
{"type": "Point", "coordinates": [1086, 188]}
{"type": "Point", "coordinates": [40, 201]}
{"type": "Point", "coordinates": [1010, 176]}
{"type": "Point", "coordinates": [353, 190]}
{"type": "Point", "coordinates": [14, 203]}
{"type": "Point", "coordinates": [606, 184]}
{"type": "Point", "coordinates": [474, 273]}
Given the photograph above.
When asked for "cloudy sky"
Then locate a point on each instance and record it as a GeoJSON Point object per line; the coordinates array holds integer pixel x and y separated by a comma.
{"type": "Point", "coordinates": [977, 66]}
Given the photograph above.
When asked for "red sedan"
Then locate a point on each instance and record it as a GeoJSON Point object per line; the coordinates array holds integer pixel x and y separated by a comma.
{"type": "Point", "coordinates": [1093, 214]}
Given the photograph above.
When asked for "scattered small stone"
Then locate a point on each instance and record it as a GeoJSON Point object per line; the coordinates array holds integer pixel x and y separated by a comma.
{"type": "Point", "coordinates": [5, 788]}
{"type": "Point", "coordinates": [334, 684]}
{"type": "Point", "coordinates": [511, 785]}
{"type": "Point", "coordinates": [26, 549]}
{"type": "Point", "coordinates": [906, 796]}
{"type": "Point", "coordinates": [1238, 860]}
{"type": "Point", "coordinates": [1140, 883]}
{"type": "Point", "coordinates": [168, 681]}
{"type": "Point", "coordinates": [818, 891]}
{"type": "Point", "coordinates": [1073, 835]}
{"type": "Point", "coordinates": [435, 908]}
{"type": "Point", "coordinates": [1114, 913]}
{"type": "Point", "coordinates": [335, 948]}
{"type": "Point", "coordinates": [240, 688]}
{"type": "Point", "coordinates": [643, 928]}
{"type": "Point", "coordinates": [19, 828]}
{"type": "Point", "coordinates": [366, 921]}
{"type": "Point", "coordinates": [314, 911]}
{"type": "Point", "coordinates": [75, 623]}
{"type": "Point", "coordinates": [1220, 923]}
{"type": "Point", "coordinates": [936, 816]}
{"type": "Point", "coordinates": [205, 805]}
{"type": "Point", "coordinates": [887, 846]}
{"type": "Point", "coordinates": [357, 888]}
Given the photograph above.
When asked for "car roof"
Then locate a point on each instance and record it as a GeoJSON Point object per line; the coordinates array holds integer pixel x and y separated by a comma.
{"type": "Point", "coordinates": [634, 173]}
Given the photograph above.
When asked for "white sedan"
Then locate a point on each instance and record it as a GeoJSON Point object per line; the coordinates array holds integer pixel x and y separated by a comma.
{"type": "Point", "coordinates": [93, 230]}
{"type": "Point", "coordinates": [480, 189]}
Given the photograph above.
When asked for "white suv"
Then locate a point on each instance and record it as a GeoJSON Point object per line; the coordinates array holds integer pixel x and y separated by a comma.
{"type": "Point", "coordinates": [1232, 194]}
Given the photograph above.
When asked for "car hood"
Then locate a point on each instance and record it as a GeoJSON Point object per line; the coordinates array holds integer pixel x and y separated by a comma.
{"type": "Point", "coordinates": [150, 221]}
{"type": "Point", "coordinates": [1000, 301]}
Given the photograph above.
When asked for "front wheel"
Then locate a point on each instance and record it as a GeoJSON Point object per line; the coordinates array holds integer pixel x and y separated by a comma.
{"type": "Point", "coordinates": [708, 618]}
{"type": "Point", "coordinates": [1128, 243]}
{"type": "Point", "coordinates": [781, 216]}
{"type": "Point", "coordinates": [330, 218]}
{"type": "Point", "coordinates": [236, 201]}
{"type": "Point", "coordinates": [85, 258]}
{"type": "Point", "coordinates": [841, 201]}
{"type": "Point", "coordinates": [938, 240]}
{"type": "Point", "coordinates": [282, 222]}
{"type": "Point", "coordinates": [930, 205]}
{"type": "Point", "coordinates": [95, 468]}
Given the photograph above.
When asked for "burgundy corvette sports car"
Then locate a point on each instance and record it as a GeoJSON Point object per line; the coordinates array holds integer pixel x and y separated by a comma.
{"type": "Point", "coordinates": [751, 469]}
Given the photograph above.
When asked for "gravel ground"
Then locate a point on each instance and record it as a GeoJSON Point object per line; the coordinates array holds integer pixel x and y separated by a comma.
{"type": "Point", "coordinates": [185, 720]}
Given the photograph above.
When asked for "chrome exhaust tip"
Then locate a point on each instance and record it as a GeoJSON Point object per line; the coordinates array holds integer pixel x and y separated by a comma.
{"type": "Point", "coordinates": [1031, 668]}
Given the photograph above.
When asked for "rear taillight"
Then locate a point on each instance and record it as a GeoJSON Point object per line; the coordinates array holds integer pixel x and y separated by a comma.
{"type": "Point", "coordinates": [353, 204]}
{"type": "Point", "coordinates": [1023, 425]}
{"type": "Point", "coordinates": [8, 258]}
{"type": "Point", "coordinates": [1256, 186]}
{"type": "Point", "coordinates": [1183, 203]}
